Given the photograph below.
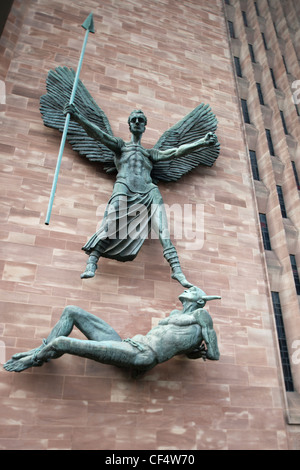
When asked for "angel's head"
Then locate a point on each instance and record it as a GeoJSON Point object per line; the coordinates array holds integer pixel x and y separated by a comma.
{"type": "Point", "coordinates": [137, 122]}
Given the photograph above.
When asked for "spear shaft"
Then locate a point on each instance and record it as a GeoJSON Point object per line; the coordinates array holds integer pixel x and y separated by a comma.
{"type": "Point", "coordinates": [88, 25]}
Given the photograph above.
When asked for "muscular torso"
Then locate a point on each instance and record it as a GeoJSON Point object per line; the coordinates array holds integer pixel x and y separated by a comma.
{"type": "Point", "coordinates": [134, 167]}
{"type": "Point", "coordinates": [178, 333]}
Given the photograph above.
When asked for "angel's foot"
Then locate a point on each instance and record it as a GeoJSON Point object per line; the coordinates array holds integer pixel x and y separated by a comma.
{"type": "Point", "coordinates": [171, 256]}
{"type": "Point", "coordinates": [25, 362]}
{"type": "Point", "coordinates": [89, 271]}
{"type": "Point", "coordinates": [180, 277]}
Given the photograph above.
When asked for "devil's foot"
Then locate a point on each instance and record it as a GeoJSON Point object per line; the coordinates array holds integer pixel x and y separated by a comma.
{"type": "Point", "coordinates": [180, 277]}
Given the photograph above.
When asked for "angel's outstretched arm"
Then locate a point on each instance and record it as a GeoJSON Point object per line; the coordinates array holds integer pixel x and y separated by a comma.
{"type": "Point", "coordinates": [91, 129]}
{"type": "Point", "coordinates": [207, 141]}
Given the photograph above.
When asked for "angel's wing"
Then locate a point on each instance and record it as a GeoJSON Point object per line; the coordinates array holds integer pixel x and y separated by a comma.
{"type": "Point", "coordinates": [192, 127]}
{"type": "Point", "coordinates": [59, 88]}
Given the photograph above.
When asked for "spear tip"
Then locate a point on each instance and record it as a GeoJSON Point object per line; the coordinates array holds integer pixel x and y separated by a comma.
{"type": "Point", "coordinates": [89, 23]}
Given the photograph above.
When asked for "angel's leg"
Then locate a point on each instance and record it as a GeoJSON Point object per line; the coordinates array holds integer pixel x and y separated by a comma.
{"type": "Point", "coordinates": [160, 226]}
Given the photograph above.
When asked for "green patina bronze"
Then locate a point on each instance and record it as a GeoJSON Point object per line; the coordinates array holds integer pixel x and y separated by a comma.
{"type": "Point", "coordinates": [189, 143]}
{"type": "Point", "coordinates": [69, 107]}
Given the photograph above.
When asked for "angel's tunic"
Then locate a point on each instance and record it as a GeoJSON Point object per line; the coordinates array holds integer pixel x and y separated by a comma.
{"type": "Point", "coordinates": [127, 218]}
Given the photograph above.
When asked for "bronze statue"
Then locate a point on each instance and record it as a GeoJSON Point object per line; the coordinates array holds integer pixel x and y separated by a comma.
{"type": "Point", "coordinates": [184, 146]}
{"type": "Point", "coordinates": [188, 331]}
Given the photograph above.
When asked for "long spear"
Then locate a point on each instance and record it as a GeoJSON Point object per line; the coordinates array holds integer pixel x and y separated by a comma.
{"type": "Point", "coordinates": [88, 25]}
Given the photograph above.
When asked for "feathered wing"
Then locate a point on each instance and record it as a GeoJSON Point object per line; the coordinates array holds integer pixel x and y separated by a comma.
{"type": "Point", "coordinates": [192, 127]}
{"type": "Point", "coordinates": [59, 86]}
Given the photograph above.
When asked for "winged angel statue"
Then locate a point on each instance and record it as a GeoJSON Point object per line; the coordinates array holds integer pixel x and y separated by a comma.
{"type": "Point", "coordinates": [136, 199]}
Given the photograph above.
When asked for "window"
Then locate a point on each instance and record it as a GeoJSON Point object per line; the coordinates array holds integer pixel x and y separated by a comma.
{"type": "Point", "coordinates": [231, 29]}
{"type": "Point", "coordinates": [270, 142]}
{"type": "Point", "coordinates": [260, 95]}
{"type": "Point", "coordinates": [286, 368]}
{"type": "Point", "coordinates": [296, 175]}
{"type": "Point", "coordinates": [281, 201]}
{"type": "Point", "coordinates": [283, 122]}
{"type": "Point", "coordinates": [238, 66]}
{"type": "Point", "coordinates": [245, 18]}
{"type": "Point", "coordinates": [264, 41]}
{"type": "Point", "coordinates": [254, 165]}
{"type": "Point", "coordinates": [251, 53]}
{"type": "Point", "coordinates": [273, 78]}
{"type": "Point", "coordinates": [295, 273]}
{"type": "Point", "coordinates": [245, 111]}
{"type": "Point", "coordinates": [265, 232]}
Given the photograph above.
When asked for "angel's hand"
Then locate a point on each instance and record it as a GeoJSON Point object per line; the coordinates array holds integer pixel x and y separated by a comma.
{"type": "Point", "coordinates": [72, 110]}
{"type": "Point", "coordinates": [210, 139]}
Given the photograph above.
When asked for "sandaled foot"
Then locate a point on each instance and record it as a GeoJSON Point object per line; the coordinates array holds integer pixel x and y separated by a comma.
{"type": "Point", "coordinates": [180, 277]}
{"type": "Point", "coordinates": [89, 271]}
